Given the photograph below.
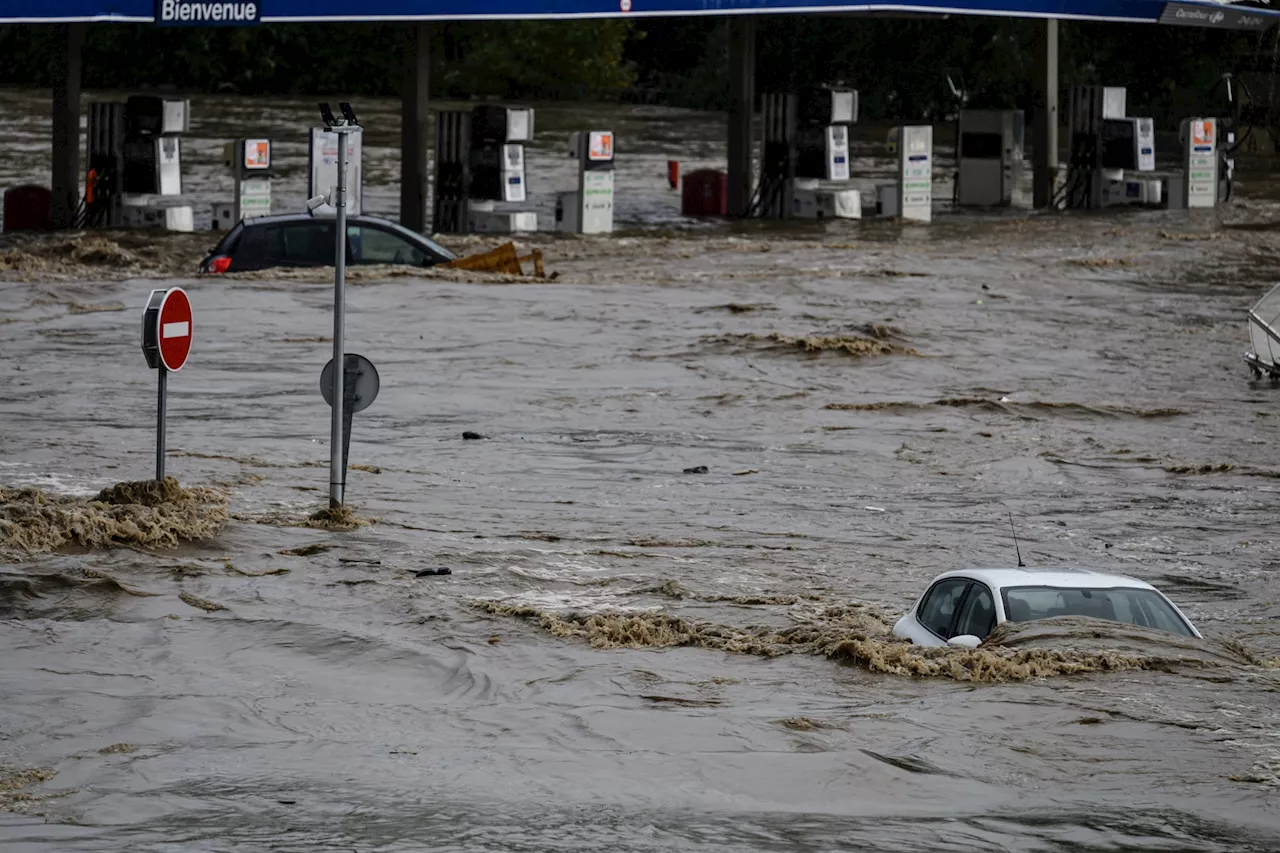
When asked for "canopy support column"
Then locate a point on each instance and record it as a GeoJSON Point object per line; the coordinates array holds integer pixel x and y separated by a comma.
{"type": "Point", "coordinates": [65, 180]}
{"type": "Point", "coordinates": [1045, 149]}
{"type": "Point", "coordinates": [414, 109]}
{"type": "Point", "coordinates": [742, 95]}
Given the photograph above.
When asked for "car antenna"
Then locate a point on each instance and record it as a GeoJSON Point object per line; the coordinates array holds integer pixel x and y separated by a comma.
{"type": "Point", "coordinates": [1016, 549]}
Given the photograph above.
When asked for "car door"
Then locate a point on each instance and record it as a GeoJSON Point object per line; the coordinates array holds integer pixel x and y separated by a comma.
{"type": "Point", "coordinates": [937, 611]}
{"type": "Point", "coordinates": [373, 244]}
{"type": "Point", "coordinates": [258, 248]}
{"type": "Point", "coordinates": [977, 613]}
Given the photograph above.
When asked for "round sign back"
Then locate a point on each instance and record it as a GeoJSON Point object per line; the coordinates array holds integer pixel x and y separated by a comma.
{"type": "Point", "coordinates": [174, 329]}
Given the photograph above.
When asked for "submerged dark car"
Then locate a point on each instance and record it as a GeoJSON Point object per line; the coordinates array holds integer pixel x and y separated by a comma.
{"type": "Point", "coordinates": [303, 240]}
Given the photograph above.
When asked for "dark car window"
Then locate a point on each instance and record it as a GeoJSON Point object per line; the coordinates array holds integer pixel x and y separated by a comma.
{"type": "Point", "coordinates": [938, 609]}
{"type": "Point", "coordinates": [373, 245]}
{"type": "Point", "coordinates": [301, 243]}
{"type": "Point", "coordinates": [978, 616]}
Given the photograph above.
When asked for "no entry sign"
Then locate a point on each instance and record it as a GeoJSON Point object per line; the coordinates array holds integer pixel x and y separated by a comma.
{"type": "Point", "coordinates": [166, 343]}
{"type": "Point", "coordinates": [167, 329]}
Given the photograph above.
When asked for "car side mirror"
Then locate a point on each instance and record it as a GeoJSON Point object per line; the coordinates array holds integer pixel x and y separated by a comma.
{"type": "Point", "coordinates": [965, 641]}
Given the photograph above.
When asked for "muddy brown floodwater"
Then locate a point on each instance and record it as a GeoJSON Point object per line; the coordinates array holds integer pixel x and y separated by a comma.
{"type": "Point", "coordinates": [627, 656]}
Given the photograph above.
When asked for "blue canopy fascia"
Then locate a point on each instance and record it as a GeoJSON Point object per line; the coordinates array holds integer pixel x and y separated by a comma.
{"type": "Point", "coordinates": [1194, 13]}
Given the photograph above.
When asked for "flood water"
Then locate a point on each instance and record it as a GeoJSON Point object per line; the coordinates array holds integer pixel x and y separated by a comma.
{"type": "Point", "coordinates": [626, 656]}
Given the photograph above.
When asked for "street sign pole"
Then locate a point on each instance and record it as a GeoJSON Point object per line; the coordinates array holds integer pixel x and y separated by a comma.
{"type": "Point", "coordinates": [337, 471]}
{"type": "Point", "coordinates": [360, 384]}
{"type": "Point", "coordinates": [167, 329]}
{"type": "Point", "coordinates": [161, 399]}
{"type": "Point", "coordinates": [337, 465]}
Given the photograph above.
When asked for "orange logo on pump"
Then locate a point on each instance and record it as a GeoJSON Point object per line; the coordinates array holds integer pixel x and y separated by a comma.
{"type": "Point", "coordinates": [1202, 132]}
{"type": "Point", "coordinates": [257, 153]}
{"type": "Point", "coordinates": [601, 146]}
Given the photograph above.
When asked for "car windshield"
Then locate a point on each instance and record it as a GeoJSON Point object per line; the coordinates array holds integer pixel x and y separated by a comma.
{"type": "Point", "coordinates": [1142, 607]}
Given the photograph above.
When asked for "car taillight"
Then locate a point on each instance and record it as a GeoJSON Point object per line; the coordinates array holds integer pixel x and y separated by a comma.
{"type": "Point", "coordinates": [219, 264]}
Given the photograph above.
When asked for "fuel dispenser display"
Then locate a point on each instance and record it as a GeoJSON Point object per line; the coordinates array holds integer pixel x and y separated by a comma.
{"type": "Point", "coordinates": [480, 163]}
{"type": "Point", "coordinates": [498, 137]}
{"type": "Point", "coordinates": [990, 157]}
{"type": "Point", "coordinates": [249, 162]}
{"type": "Point", "coordinates": [589, 210]}
{"type": "Point", "coordinates": [823, 119]}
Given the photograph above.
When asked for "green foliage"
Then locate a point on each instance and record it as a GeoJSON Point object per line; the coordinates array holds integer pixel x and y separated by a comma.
{"type": "Point", "coordinates": [538, 59]}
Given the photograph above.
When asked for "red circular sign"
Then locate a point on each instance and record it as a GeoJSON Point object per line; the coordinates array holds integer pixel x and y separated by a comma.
{"type": "Point", "coordinates": [174, 329]}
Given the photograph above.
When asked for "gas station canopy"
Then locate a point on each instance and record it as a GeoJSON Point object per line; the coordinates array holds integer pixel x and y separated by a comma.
{"type": "Point", "coordinates": [1197, 13]}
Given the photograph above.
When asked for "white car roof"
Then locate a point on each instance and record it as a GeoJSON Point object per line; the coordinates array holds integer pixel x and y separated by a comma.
{"type": "Point", "coordinates": [1087, 578]}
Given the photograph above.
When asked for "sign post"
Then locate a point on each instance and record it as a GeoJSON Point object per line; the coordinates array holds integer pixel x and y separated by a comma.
{"type": "Point", "coordinates": [342, 127]}
{"type": "Point", "coordinates": [166, 342]}
{"type": "Point", "coordinates": [359, 389]}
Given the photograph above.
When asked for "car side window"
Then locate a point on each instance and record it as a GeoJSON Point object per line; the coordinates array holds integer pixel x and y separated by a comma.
{"type": "Point", "coordinates": [370, 245]}
{"type": "Point", "coordinates": [308, 243]}
{"type": "Point", "coordinates": [938, 608]}
{"type": "Point", "coordinates": [979, 614]}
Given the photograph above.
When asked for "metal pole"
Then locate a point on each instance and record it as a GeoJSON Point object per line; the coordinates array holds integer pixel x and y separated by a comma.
{"type": "Point", "coordinates": [337, 472]}
{"type": "Point", "coordinates": [161, 398]}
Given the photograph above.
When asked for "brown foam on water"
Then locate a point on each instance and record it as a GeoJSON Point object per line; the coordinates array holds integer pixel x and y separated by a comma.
{"type": "Point", "coordinates": [146, 513]}
{"type": "Point", "coordinates": [1021, 408]}
{"type": "Point", "coordinates": [853, 345]}
{"type": "Point", "coordinates": [199, 603]}
{"type": "Point", "coordinates": [106, 254]}
{"type": "Point", "coordinates": [15, 794]}
{"type": "Point", "coordinates": [855, 635]}
{"type": "Point", "coordinates": [341, 518]}
{"type": "Point", "coordinates": [675, 589]}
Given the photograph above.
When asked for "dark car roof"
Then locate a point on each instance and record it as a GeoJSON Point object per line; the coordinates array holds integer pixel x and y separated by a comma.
{"type": "Point", "coordinates": [227, 244]}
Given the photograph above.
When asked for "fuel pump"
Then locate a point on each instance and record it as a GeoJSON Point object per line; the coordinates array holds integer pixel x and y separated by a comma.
{"type": "Point", "coordinates": [1106, 145]}
{"type": "Point", "coordinates": [989, 157]}
{"type": "Point", "coordinates": [589, 210]}
{"type": "Point", "coordinates": [806, 142]}
{"type": "Point", "coordinates": [249, 162]}
{"type": "Point", "coordinates": [134, 158]}
{"type": "Point", "coordinates": [480, 163]}
{"type": "Point", "coordinates": [911, 195]}
{"type": "Point", "coordinates": [1239, 105]}
{"type": "Point", "coordinates": [1201, 161]}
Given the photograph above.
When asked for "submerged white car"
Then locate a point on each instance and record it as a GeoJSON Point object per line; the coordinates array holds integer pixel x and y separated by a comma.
{"type": "Point", "coordinates": [961, 608]}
